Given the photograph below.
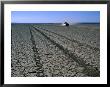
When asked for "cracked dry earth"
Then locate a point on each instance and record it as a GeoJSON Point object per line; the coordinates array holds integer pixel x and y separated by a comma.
{"type": "Point", "coordinates": [37, 51]}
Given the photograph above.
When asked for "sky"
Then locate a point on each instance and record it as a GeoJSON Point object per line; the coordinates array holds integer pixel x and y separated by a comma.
{"type": "Point", "coordinates": [55, 16]}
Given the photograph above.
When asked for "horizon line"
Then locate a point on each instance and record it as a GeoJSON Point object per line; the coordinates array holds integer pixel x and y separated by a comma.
{"type": "Point", "coordinates": [57, 23]}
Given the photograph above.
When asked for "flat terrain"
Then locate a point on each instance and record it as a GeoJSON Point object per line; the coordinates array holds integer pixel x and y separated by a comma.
{"type": "Point", "coordinates": [40, 50]}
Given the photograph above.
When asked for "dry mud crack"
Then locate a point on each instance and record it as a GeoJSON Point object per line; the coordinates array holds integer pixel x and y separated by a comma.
{"type": "Point", "coordinates": [89, 70]}
{"type": "Point", "coordinates": [40, 53]}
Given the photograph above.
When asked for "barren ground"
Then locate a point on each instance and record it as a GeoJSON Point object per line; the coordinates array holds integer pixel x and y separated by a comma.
{"type": "Point", "coordinates": [55, 51]}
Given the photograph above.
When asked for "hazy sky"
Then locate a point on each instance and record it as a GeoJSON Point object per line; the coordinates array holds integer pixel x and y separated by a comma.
{"type": "Point", "coordinates": [54, 16]}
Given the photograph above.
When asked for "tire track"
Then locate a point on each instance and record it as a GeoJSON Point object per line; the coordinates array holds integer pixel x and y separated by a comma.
{"type": "Point", "coordinates": [39, 70]}
{"type": "Point", "coordinates": [55, 62]}
{"type": "Point", "coordinates": [75, 41]}
{"type": "Point", "coordinates": [88, 54]}
{"type": "Point", "coordinates": [89, 70]}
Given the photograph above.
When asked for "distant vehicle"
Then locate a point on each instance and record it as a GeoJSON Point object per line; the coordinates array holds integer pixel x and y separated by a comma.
{"type": "Point", "coordinates": [65, 24]}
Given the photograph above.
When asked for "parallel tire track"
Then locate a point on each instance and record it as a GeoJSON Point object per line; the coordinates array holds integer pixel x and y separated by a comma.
{"type": "Point", "coordinates": [89, 70]}
{"type": "Point", "coordinates": [37, 59]}
{"type": "Point", "coordinates": [75, 41]}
